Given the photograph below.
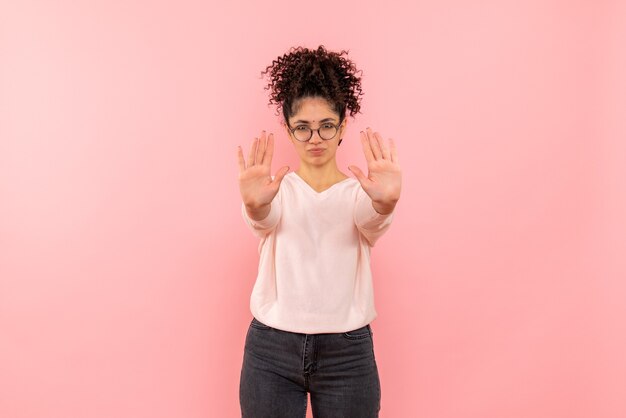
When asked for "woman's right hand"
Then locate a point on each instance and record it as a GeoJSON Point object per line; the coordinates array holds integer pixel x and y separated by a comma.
{"type": "Point", "coordinates": [255, 182]}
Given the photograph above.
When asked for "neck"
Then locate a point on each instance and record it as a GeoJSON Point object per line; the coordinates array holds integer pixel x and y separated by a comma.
{"type": "Point", "coordinates": [320, 176]}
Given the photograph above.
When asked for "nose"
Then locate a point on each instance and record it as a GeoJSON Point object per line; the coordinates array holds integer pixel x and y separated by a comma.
{"type": "Point", "coordinates": [316, 138]}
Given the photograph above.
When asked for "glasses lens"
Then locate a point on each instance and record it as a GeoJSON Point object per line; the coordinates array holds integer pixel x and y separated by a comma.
{"type": "Point", "coordinates": [302, 133]}
{"type": "Point", "coordinates": [328, 131]}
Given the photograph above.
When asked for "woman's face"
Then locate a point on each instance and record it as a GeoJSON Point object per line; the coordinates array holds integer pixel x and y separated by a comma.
{"type": "Point", "coordinates": [313, 113]}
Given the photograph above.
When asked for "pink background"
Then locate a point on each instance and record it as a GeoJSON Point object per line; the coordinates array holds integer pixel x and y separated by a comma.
{"type": "Point", "coordinates": [125, 265]}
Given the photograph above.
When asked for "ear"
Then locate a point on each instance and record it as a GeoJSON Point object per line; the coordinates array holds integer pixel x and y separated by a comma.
{"type": "Point", "coordinates": [287, 131]}
{"type": "Point", "coordinates": [342, 129]}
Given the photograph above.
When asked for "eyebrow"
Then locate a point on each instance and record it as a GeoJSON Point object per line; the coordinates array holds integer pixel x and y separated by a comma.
{"type": "Point", "coordinates": [306, 121]}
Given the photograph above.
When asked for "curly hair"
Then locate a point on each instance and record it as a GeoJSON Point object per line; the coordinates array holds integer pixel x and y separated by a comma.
{"type": "Point", "coordinates": [314, 73]}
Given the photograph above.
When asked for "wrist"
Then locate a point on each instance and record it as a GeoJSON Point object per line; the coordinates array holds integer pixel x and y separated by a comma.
{"type": "Point", "coordinates": [384, 208]}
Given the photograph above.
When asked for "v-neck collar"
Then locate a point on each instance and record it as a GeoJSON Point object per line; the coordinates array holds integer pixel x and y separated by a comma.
{"type": "Point", "coordinates": [315, 192]}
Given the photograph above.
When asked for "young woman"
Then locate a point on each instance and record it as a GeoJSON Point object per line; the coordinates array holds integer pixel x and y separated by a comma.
{"type": "Point", "coordinates": [312, 302]}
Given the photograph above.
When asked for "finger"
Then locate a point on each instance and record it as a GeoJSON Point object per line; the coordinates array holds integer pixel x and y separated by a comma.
{"type": "Point", "coordinates": [383, 147]}
{"type": "Point", "coordinates": [394, 151]}
{"type": "Point", "coordinates": [264, 149]}
{"type": "Point", "coordinates": [242, 163]}
{"type": "Point", "coordinates": [358, 173]}
{"type": "Point", "coordinates": [367, 149]}
{"type": "Point", "coordinates": [269, 151]}
{"type": "Point", "coordinates": [374, 144]}
{"type": "Point", "coordinates": [280, 174]}
{"type": "Point", "coordinates": [260, 149]}
{"type": "Point", "coordinates": [252, 152]}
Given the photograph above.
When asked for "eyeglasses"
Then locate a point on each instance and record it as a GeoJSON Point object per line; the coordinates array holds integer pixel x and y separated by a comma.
{"type": "Point", "coordinates": [303, 133]}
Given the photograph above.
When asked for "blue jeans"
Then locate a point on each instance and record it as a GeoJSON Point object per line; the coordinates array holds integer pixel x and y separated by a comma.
{"type": "Point", "coordinates": [280, 367]}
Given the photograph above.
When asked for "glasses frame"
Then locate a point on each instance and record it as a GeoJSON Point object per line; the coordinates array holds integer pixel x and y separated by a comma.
{"type": "Point", "coordinates": [311, 130]}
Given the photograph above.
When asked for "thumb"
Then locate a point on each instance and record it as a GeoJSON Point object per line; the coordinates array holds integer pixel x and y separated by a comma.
{"type": "Point", "coordinates": [280, 174]}
{"type": "Point", "coordinates": [358, 173]}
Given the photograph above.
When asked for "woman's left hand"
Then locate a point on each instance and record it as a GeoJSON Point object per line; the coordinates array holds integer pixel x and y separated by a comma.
{"type": "Point", "coordinates": [384, 178]}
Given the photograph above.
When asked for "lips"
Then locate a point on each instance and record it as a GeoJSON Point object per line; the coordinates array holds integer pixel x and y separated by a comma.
{"type": "Point", "coordinates": [316, 149]}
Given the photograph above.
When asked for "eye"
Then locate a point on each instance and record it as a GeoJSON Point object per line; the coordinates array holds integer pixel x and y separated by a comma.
{"type": "Point", "coordinates": [328, 125]}
{"type": "Point", "coordinates": [302, 126]}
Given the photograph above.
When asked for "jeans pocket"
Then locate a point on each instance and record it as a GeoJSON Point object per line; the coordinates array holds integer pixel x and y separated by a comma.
{"type": "Point", "coordinates": [258, 324]}
{"type": "Point", "coordinates": [359, 333]}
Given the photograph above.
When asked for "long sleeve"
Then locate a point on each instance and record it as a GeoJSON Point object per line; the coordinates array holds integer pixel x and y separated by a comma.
{"type": "Point", "coordinates": [264, 226]}
{"type": "Point", "coordinates": [371, 224]}
{"type": "Point", "coordinates": [314, 272]}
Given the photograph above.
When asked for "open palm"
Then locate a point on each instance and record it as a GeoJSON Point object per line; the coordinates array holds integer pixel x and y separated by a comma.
{"type": "Point", "coordinates": [255, 182]}
{"type": "Point", "coordinates": [384, 178]}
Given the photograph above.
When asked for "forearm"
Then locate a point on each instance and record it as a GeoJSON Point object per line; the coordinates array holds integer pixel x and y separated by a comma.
{"type": "Point", "coordinates": [373, 218]}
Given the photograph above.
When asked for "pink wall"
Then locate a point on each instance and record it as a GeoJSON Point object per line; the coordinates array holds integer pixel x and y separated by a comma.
{"type": "Point", "coordinates": [125, 266]}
